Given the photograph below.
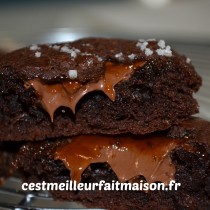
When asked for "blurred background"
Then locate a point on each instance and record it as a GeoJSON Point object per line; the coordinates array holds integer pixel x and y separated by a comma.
{"type": "Point", "coordinates": [24, 22]}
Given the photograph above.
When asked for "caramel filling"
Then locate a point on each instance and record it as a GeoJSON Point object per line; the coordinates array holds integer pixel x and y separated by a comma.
{"type": "Point", "coordinates": [128, 157]}
{"type": "Point", "coordinates": [69, 93]}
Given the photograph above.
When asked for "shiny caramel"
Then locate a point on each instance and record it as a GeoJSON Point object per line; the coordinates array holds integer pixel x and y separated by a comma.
{"type": "Point", "coordinates": [68, 93]}
{"type": "Point", "coordinates": [128, 156]}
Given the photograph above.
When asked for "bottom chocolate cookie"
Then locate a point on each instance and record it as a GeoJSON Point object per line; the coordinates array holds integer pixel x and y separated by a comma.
{"type": "Point", "coordinates": [180, 155]}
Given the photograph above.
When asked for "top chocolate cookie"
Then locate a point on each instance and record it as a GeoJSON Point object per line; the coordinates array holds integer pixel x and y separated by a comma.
{"type": "Point", "coordinates": [94, 85]}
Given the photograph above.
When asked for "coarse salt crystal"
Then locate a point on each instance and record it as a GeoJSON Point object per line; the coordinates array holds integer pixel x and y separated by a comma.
{"type": "Point", "coordinates": [131, 56]}
{"type": "Point", "coordinates": [72, 74]}
{"type": "Point", "coordinates": [167, 51]}
{"type": "Point", "coordinates": [161, 44]}
{"type": "Point", "coordinates": [168, 54]}
{"type": "Point", "coordinates": [160, 52]}
{"type": "Point", "coordinates": [164, 50]}
{"type": "Point", "coordinates": [65, 49]}
{"type": "Point", "coordinates": [138, 44]}
{"type": "Point", "coordinates": [188, 60]}
{"type": "Point", "coordinates": [56, 47]}
{"type": "Point", "coordinates": [148, 52]}
{"type": "Point", "coordinates": [34, 47]}
{"type": "Point", "coordinates": [119, 56]}
{"type": "Point", "coordinates": [76, 50]}
{"type": "Point", "coordinates": [73, 52]}
{"type": "Point", "coordinates": [142, 45]}
{"type": "Point", "coordinates": [38, 54]}
{"type": "Point", "coordinates": [168, 48]}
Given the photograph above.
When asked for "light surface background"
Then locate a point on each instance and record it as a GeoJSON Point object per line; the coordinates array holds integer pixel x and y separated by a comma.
{"type": "Point", "coordinates": [27, 21]}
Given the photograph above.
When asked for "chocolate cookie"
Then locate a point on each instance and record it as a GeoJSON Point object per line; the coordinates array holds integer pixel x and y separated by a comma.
{"type": "Point", "coordinates": [94, 86]}
{"type": "Point", "coordinates": [181, 153]}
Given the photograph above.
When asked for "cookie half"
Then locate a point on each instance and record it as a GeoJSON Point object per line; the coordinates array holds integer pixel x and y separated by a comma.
{"type": "Point", "coordinates": [94, 86]}
{"type": "Point", "coordinates": [182, 154]}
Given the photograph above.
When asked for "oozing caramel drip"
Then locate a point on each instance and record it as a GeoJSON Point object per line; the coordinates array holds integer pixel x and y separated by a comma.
{"type": "Point", "coordinates": [69, 93]}
{"type": "Point", "coordinates": [128, 157]}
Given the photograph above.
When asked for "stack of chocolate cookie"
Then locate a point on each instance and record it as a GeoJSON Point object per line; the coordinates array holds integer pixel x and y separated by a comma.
{"type": "Point", "coordinates": [107, 109]}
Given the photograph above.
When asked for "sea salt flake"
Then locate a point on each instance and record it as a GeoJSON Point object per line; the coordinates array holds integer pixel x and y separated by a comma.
{"type": "Point", "coordinates": [72, 74]}
{"type": "Point", "coordinates": [73, 52]}
{"type": "Point", "coordinates": [164, 50]}
{"type": "Point", "coordinates": [160, 52]}
{"type": "Point", "coordinates": [148, 52]}
{"type": "Point", "coordinates": [34, 47]}
{"type": "Point", "coordinates": [161, 44]}
{"type": "Point", "coordinates": [131, 56]}
{"type": "Point", "coordinates": [65, 49]}
{"type": "Point", "coordinates": [56, 47]}
{"type": "Point", "coordinates": [76, 50]}
{"type": "Point", "coordinates": [188, 60]}
{"type": "Point", "coordinates": [167, 51]}
{"type": "Point", "coordinates": [142, 45]}
{"type": "Point", "coordinates": [168, 54]}
{"type": "Point", "coordinates": [119, 56]}
{"type": "Point", "coordinates": [38, 54]}
{"type": "Point", "coordinates": [138, 44]}
{"type": "Point", "coordinates": [168, 48]}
